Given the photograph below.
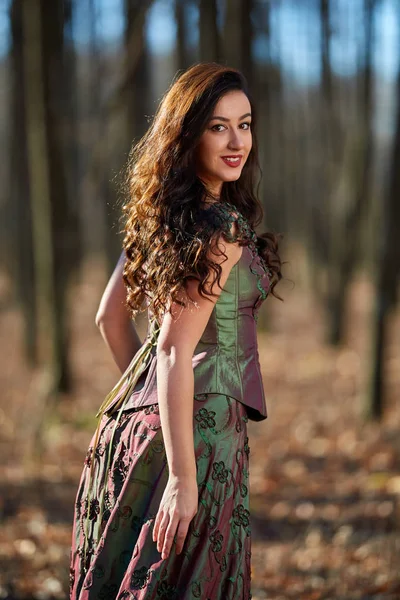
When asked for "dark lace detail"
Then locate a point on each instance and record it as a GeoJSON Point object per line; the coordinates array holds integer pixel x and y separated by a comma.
{"type": "Point", "coordinates": [140, 578]}
{"type": "Point", "coordinates": [212, 521]}
{"type": "Point", "coordinates": [166, 591]}
{"type": "Point", "coordinates": [105, 517]}
{"type": "Point", "coordinates": [89, 455]}
{"type": "Point", "coordinates": [124, 417]}
{"type": "Point", "coordinates": [109, 501]}
{"type": "Point", "coordinates": [220, 472]}
{"type": "Point", "coordinates": [241, 516]}
{"type": "Point", "coordinates": [88, 458]}
{"type": "Point", "coordinates": [246, 446]}
{"type": "Point", "coordinates": [136, 523]}
{"type": "Point", "coordinates": [227, 214]}
{"type": "Point", "coordinates": [98, 572]}
{"type": "Point", "coordinates": [121, 514]}
{"type": "Point", "coordinates": [196, 589]}
{"type": "Point", "coordinates": [205, 418]}
{"type": "Point", "coordinates": [78, 507]}
{"type": "Point", "coordinates": [126, 595]}
{"type": "Point", "coordinates": [108, 591]}
{"type": "Point", "coordinates": [216, 540]}
{"type": "Point", "coordinates": [121, 468]}
{"type": "Point", "coordinates": [152, 409]}
{"type": "Point", "coordinates": [94, 509]}
{"type": "Point", "coordinates": [85, 555]}
{"type": "Point", "coordinates": [71, 579]}
{"type": "Point", "coordinates": [243, 490]}
{"type": "Point", "coordinates": [230, 214]}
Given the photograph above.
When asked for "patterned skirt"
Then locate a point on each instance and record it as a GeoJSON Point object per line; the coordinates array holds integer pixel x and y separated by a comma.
{"type": "Point", "coordinates": [113, 556]}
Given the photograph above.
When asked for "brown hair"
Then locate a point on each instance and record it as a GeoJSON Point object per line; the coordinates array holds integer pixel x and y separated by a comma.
{"type": "Point", "coordinates": [164, 242]}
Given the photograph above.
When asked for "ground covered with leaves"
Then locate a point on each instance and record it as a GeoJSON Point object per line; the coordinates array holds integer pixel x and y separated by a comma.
{"type": "Point", "coordinates": [324, 483]}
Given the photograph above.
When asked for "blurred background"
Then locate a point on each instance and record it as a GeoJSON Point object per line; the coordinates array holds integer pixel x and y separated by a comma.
{"type": "Point", "coordinates": [79, 83]}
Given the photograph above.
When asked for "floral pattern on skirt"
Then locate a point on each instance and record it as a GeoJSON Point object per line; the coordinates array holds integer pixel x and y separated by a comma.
{"type": "Point", "coordinates": [125, 564]}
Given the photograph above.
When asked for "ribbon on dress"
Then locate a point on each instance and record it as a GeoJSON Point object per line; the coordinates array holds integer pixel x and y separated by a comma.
{"type": "Point", "coordinates": [126, 384]}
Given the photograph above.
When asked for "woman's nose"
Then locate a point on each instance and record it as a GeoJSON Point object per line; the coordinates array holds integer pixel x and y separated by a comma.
{"type": "Point", "coordinates": [236, 140]}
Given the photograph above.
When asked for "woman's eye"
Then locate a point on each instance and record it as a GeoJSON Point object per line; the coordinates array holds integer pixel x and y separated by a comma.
{"type": "Point", "coordinates": [222, 127]}
{"type": "Point", "coordinates": [214, 128]}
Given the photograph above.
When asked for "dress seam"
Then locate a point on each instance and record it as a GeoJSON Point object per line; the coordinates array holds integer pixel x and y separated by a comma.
{"type": "Point", "coordinates": [236, 328]}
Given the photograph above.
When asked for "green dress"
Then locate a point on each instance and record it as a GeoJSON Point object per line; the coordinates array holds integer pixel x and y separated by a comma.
{"type": "Point", "coordinates": [125, 472]}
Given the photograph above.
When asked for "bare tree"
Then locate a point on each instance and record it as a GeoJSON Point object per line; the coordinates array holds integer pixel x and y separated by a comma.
{"type": "Point", "coordinates": [183, 57]}
{"type": "Point", "coordinates": [37, 127]}
{"type": "Point", "coordinates": [209, 34]}
{"type": "Point", "coordinates": [238, 36]}
{"type": "Point", "coordinates": [388, 268]}
{"type": "Point", "coordinates": [53, 224]}
{"type": "Point", "coordinates": [20, 207]}
{"type": "Point", "coordinates": [358, 172]}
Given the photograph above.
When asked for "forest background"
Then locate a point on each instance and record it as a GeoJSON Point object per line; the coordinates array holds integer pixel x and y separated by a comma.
{"type": "Point", "coordinates": [79, 82]}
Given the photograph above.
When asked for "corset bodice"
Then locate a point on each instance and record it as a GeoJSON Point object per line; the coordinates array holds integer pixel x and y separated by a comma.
{"type": "Point", "coordinates": [226, 358]}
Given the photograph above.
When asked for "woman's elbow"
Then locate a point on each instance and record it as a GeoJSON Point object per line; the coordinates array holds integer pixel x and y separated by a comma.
{"type": "Point", "coordinates": [104, 315]}
{"type": "Point", "coordinates": [99, 319]}
{"type": "Point", "coordinates": [111, 317]}
{"type": "Point", "coordinates": [173, 352]}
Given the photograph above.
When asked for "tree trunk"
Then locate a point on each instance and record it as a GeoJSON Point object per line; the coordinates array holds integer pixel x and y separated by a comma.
{"type": "Point", "coordinates": [20, 208]}
{"type": "Point", "coordinates": [387, 273]}
{"type": "Point", "coordinates": [359, 173]}
{"type": "Point", "coordinates": [238, 36]}
{"type": "Point", "coordinates": [64, 217]}
{"type": "Point", "coordinates": [182, 51]}
{"type": "Point", "coordinates": [70, 136]}
{"type": "Point", "coordinates": [209, 35]}
{"type": "Point", "coordinates": [40, 187]}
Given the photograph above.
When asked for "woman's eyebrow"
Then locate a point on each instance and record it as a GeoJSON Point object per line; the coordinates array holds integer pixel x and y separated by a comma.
{"type": "Point", "coordinates": [225, 119]}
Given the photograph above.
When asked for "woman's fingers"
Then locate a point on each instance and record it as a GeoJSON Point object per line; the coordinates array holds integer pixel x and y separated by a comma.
{"type": "Point", "coordinates": [181, 534]}
{"type": "Point", "coordinates": [178, 506]}
{"type": "Point", "coordinates": [164, 532]}
{"type": "Point", "coordinates": [161, 515]}
{"type": "Point", "coordinates": [157, 521]}
{"type": "Point", "coordinates": [161, 531]}
{"type": "Point", "coordinates": [169, 537]}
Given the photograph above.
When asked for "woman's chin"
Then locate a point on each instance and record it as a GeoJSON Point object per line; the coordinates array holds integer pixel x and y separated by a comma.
{"type": "Point", "coordinates": [232, 177]}
{"type": "Point", "coordinates": [220, 178]}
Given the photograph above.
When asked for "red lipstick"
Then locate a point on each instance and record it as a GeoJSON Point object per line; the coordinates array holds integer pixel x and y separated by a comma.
{"type": "Point", "coordinates": [232, 160]}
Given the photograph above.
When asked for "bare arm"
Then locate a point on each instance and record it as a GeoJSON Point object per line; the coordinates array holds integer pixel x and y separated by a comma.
{"type": "Point", "coordinates": [114, 321]}
{"type": "Point", "coordinates": [178, 337]}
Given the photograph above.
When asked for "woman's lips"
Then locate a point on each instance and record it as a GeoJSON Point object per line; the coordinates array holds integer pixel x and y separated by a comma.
{"type": "Point", "coordinates": [233, 162]}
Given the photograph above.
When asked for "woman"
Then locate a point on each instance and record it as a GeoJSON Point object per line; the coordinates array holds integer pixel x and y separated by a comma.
{"type": "Point", "coordinates": [162, 509]}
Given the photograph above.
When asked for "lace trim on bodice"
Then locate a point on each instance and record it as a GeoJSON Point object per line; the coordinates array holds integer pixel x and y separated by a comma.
{"type": "Point", "coordinates": [231, 214]}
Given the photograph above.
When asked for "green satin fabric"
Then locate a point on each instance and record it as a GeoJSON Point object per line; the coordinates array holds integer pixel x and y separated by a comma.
{"type": "Point", "coordinates": [226, 358]}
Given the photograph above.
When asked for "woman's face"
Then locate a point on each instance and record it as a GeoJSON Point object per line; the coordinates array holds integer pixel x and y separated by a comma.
{"type": "Point", "coordinates": [226, 142]}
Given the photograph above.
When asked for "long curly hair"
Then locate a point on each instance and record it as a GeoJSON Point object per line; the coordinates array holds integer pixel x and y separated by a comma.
{"type": "Point", "coordinates": [164, 242]}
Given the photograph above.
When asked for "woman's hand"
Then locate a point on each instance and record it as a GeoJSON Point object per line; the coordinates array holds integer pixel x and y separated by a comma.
{"type": "Point", "coordinates": [178, 506]}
